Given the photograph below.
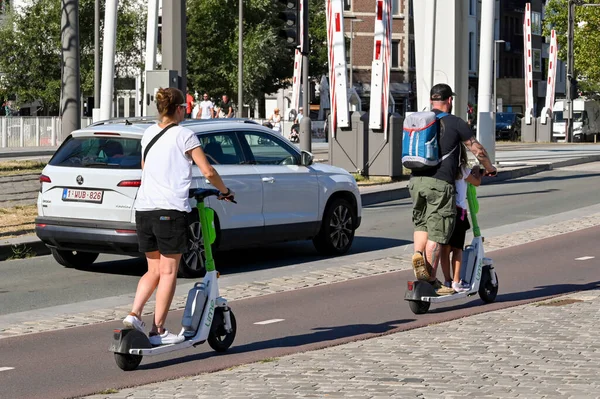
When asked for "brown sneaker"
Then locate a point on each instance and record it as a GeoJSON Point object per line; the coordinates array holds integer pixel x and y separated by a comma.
{"type": "Point", "coordinates": [420, 267]}
{"type": "Point", "coordinates": [443, 290]}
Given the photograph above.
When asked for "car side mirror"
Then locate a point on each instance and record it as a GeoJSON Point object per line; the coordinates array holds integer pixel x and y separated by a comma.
{"type": "Point", "coordinates": [306, 158]}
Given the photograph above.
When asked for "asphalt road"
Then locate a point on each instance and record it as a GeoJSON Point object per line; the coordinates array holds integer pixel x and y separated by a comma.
{"type": "Point", "coordinates": [40, 282]}
{"type": "Point", "coordinates": [75, 362]}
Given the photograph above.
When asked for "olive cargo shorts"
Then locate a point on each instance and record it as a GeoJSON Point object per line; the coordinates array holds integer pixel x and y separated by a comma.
{"type": "Point", "coordinates": [434, 207]}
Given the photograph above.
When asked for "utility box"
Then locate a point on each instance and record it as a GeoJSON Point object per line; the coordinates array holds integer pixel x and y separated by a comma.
{"type": "Point", "coordinates": [528, 132]}
{"type": "Point", "coordinates": [385, 155]}
{"type": "Point", "coordinates": [348, 149]}
{"type": "Point", "coordinates": [154, 81]}
{"type": "Point", "coordinates": [544, 132]}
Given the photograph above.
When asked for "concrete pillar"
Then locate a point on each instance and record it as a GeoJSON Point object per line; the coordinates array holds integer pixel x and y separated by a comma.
{"type": "Point", "coordinates": [486, 116]}
{"type": "Point", "coordinates": [174, 46]}
{"type": "Point", "coordinates": [441, 50]}
{"type": "Point", "coordinates": [108, 59]}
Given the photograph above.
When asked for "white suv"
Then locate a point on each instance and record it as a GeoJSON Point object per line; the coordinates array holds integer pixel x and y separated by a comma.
{"type": "Point", "coordinates": [88, 191]}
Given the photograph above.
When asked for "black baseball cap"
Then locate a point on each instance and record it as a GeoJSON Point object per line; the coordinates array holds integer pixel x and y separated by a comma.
{"type": "Point", "coordinates": [441, 92]}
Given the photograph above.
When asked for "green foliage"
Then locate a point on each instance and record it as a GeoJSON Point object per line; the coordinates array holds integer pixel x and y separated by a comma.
{"type": "Point", "coordinates": [212, 40]}
{"type": "Point", "coordinates": [586, 40]}
{"type": "Point", "coordinates": [21, 252]}
{"type": "Point", "coordinates": [31, 44]}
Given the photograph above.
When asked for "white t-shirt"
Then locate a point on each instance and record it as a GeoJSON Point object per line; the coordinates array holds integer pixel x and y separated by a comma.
{"type": "Point", "coordinates": [167, 173]}
{"type": "Point", "coordinates": [461, 188]}
{"type": "Point", "coordinates": [206, 109]}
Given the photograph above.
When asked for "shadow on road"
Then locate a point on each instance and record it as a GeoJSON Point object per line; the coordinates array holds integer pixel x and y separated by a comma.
{"type": "Point", "coordinates": [570, 176]}
{"type": "Point", "coordinates": [548, 191]}
{"type": "Point", "coordinates": [319, 335]}
{"type": "Point", "coordinates": [253, 259]}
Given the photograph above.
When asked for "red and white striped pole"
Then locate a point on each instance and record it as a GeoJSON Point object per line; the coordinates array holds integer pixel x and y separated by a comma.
{"type": "Point", "coordinates": [551, 82]}
{"type": "Point", "coordinates": [295, 103]}
{"type": "Point", "coordinates": [380, 67]}
{"type": "Point", "coordinates": [338, 86]}
{"type": "Point", "coordinates": [528, 65]}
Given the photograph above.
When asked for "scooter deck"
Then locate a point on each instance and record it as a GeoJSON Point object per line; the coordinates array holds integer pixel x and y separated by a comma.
{"type": "Point", "coordinates": [157, 350]}
{"type": "Point", "coordinates": [447, 298]}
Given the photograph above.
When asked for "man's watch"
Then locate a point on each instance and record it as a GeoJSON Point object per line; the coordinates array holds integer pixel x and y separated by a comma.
{"type": "Point", "coordinates": [228, 193]}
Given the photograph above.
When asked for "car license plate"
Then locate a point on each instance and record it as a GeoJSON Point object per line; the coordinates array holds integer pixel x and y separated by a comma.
{"type": "Point", "coordinates": [72, 194]}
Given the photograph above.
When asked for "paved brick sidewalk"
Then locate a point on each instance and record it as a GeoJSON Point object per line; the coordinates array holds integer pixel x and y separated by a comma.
{"type": "Point", "coordinates": [299, 280]}
{"type": "Point", "coordinates": [545, 350]}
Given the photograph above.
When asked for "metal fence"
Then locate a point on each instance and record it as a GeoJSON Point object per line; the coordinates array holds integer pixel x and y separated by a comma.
{"type": "Point", "coordinates": [32, 131]}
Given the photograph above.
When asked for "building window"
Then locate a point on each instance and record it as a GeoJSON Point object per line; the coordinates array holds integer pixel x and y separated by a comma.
{"type": "Point", "coordinates": [536, 23]}
{"type": "Point", "coordinates": [347, 5]}
{"type": "Point", "coordinates": [412, 61]}
{"type": "Point", "coordinates": [471, 7]}
{"type": "Point", "coordinates": [537, 60]}
{"type": "Point", "coordinates": [471, 50]}
{"type": "Point", "coordinates": [395, 54]}
{"type": "Point", "coordinates": [121, 107]}
{"type": "Point", "coordinates": [132, 106]}
{"type": "Point", "coordinates": [395, 7]}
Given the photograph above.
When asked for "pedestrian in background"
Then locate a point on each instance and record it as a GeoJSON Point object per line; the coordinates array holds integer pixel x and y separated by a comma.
{"type": "Point", "coordinates": [275, 120]}
{"type": "Point", "coordinates": [225, 109]}
{"type": "Point", "coordinates": [189, 101]}
{"type": "Point", "coordinates": [205, 108]}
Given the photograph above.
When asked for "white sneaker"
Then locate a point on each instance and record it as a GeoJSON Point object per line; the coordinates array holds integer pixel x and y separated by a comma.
{"type": "Point", "coordinates": [166, 338]}
{"type": "Point", "coordinates": [132, 321]}
{"type": "Point", "coordinates": [458, 287]}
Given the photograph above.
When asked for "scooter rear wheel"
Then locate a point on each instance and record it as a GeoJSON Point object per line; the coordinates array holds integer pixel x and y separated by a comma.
{"type": "Point", "coordinates": [487, 291]}
{"type": "Point", "coordinates": [419, 307]}
{"type": "Point", "coordinates": [128, 362]}
{"type": "Point", "coordinates": [219, 339]}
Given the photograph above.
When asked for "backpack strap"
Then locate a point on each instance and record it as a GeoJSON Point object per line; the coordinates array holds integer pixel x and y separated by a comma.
{"type": "Point", "coordinates": [155, 139]}
{"type": "Point", "coordinates": [439, 117]}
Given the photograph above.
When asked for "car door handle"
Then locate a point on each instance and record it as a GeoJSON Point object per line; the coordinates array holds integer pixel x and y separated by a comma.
{"type": "Point", "coordinates": [268, 180]}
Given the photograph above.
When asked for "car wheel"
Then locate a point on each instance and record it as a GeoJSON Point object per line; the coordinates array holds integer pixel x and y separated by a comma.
{"type": "Point", "coordinates": [73, 259]}
{"type": "Point", "coordinates": [513, 135]}
{"type": "Point", "coordinates": [337, 229]}
{"type": "Point", "coordinates": [193, 262]}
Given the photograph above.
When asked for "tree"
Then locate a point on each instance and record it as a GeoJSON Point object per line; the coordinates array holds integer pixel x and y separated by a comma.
{"type": "Point", "coordinates": [212, 48]}
{"type": "Point", "coordinates": [31, 44]}
{"type": "Point", "coordinates": [585, 44]}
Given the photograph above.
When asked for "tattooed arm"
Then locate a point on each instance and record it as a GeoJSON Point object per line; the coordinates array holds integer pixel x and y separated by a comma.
{"type": "Point", "coordinates": [480, 153]}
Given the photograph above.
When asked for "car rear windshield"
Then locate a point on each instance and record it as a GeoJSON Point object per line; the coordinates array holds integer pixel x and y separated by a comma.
{"type": "Point", "coordinates": [99, 152]}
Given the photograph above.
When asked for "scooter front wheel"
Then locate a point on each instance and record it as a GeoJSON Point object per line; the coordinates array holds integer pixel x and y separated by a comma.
{"type": "Point", "coordinates": [419, 307]}
{"type": "Point", "coordinates": [218, 338]}
{"type": "Point", "coordinates": [487, 291]}
{"type": "Point", "coordinates": [128, 362]}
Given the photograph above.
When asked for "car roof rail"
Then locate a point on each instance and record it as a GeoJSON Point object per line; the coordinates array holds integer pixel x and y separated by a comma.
{"type": "Point", "coordinates": [219, 120]}
{"type": "Point", "coordinates": [126, 121]}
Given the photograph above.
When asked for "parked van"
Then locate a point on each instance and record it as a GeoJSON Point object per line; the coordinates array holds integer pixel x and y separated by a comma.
{"type": "Point", "coordinates": [586, 120]}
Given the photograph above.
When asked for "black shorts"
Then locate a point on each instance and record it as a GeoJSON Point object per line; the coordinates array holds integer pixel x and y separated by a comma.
{"type": "Point", "coordinates": [164, 231]}
{"type": "Point", "coordinates": [461, 226]}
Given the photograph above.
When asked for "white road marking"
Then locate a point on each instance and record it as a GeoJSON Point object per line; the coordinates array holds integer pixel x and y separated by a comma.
{"type": "Point", "coordinates": [262, 323]}
{"type": "Point", "coordinates": [6, 368]}
{"type": "Point", "coordinates": [585, 258]}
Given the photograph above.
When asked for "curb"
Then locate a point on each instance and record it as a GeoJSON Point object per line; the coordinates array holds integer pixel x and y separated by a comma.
{"type": "Point", "coordinates": [373, 197]}
{"type": "Point", "coordinates": [31, 153]}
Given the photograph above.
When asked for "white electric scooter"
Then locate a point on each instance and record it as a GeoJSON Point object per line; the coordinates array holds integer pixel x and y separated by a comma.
{"type": "Point", "coordinates": [476, 269]}
{"type": "Point", "coordinates": [206, 316]}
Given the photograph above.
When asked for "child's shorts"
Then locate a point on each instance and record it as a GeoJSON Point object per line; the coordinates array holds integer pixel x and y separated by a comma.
{"type": "Point", "coordinates": [461, 226]}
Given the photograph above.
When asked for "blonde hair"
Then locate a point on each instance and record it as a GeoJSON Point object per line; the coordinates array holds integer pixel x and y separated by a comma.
{"type": "Point", "coordinates": [168, 100]}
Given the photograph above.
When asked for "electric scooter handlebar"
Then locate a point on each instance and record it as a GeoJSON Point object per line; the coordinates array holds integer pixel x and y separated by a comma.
{"type": "Point", "coordinates": [200, 193]}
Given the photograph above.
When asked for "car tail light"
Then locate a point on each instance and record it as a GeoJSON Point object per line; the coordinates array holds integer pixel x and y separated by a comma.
{"type": "Point", "coordinates": [44, 179]}
{"type": "Point", "coordinates": [129, 183]}
{"type": "Point", "coordinates": [40, 225]}
{"type": "Point", "coordinates": [410, 285]}
{"type": "Point", "coordinates": [123, 231]}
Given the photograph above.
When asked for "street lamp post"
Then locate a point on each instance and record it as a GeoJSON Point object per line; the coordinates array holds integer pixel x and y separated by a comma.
{"type": "Point", "coordinates": [352, 21]}
{"type": "Point", "coordinates": [496, 42]}
{"type": "Point", "coordinates": [240, 59]}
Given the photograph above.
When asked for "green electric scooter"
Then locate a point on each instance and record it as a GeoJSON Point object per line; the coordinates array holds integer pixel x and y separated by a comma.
{"type": "Point", "coordinates": [206, 316]}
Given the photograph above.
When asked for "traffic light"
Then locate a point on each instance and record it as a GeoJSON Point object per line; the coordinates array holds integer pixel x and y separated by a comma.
{"type": "Point", "coordinates": [290, 15]}
{"type": "Point", "coordinates": [574, 89]}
